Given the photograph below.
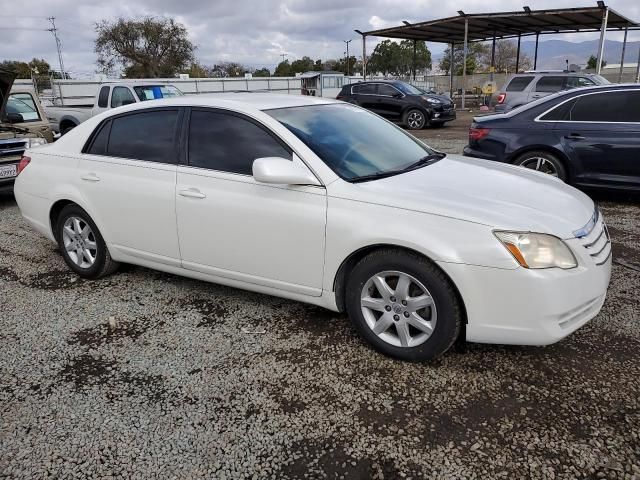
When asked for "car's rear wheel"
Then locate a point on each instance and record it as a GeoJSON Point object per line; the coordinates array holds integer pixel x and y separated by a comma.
{"type": "Point", "coordinates": [544, 162]}
{"type": "Point", "coordinates": [414, 119]}
{"type": "Point", "coordinates": [66, 129]}
{"type": "Point", "coordinates": [403, 305]}
{"type": "Point", "coordinates": [82, 246]}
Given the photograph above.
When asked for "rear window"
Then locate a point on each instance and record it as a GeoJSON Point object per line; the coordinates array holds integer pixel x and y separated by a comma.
{"type": "Point", "coordinates": [365, 89]}
{"type": "Point", "coordinates": [518, 84]}
{"type": "Point", "coordinates": [550, 84]}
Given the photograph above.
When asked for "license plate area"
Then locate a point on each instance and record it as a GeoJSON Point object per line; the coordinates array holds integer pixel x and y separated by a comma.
{"type": "Point", "coordinates": [8, 171]}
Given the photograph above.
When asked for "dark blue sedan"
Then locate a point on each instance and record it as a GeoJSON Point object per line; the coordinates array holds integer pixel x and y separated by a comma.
{"type": "Point", "coordinates": [588, 137]}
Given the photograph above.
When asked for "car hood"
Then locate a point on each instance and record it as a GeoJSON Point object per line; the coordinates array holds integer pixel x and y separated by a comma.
{"type": "Point", "coordinates": [490, 193]}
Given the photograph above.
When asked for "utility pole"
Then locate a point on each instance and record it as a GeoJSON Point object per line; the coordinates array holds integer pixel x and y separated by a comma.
{"type": "Point", "coordinates": [54, 30]}
{"type": "Point", "coordinates": [284, 55]}
{"type": "Point", "coordinates": [347, 42]}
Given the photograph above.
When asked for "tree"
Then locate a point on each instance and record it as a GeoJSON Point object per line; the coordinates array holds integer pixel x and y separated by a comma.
{"type": "Point", "coordinates": [392, 58]}
{"type": "Point", "coordinates": [283, 69]}
{"type": "Point", "coordinates": [474, 52]}
{"type": "Point", "coordinates": [262, 72]}
{"type": "Point", "coordinates": [305, 64]}
{"type": "Point", "coordinates": [592, 63]}
{"type": "Point", "coordinates": [37, 66]}
{"type": "Point", "coordinates": [505, 57]}
{"type": "Point", "coordinates": [149, 47]}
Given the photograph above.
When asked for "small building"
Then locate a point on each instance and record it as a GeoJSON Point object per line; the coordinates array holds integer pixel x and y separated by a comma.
{"type": "Point", "coordinates": [322, 84]}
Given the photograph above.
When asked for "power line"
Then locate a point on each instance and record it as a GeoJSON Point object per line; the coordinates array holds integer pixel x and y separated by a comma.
{"type": "Point", "coordinates": [54, 30]}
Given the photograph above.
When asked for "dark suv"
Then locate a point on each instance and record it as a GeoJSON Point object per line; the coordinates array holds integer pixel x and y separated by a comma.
{"type": "Point", "coordinates": [400, 102]}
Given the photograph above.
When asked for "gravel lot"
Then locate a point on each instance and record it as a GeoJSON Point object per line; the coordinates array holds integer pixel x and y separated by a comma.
{"type": "Point", "coordinates": [147, 375]}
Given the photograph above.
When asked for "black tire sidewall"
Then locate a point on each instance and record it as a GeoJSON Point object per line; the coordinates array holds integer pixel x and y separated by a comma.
{"type": "Point", "coordinates": [101, 255]}
{"type": "Point", "coordinates": [560, 168]}
{"type": "Point", "coordinates": [444, 296]}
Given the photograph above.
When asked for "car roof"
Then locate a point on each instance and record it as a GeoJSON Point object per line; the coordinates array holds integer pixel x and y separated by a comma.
{"type": "Point", "coordinates": [241, 101]}
{"type": "Point", "coordinates": [551, 72]}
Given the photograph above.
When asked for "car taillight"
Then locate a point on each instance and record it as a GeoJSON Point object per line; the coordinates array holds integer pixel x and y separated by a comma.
{"type": "Point", "coordinates": [476, 133]}
{"type": "Point", "coordinates": [502, 97]}
{"type": "Point", "coordinates": [339, 97]}
{"type": "Point", "coordinates": [24, 161]}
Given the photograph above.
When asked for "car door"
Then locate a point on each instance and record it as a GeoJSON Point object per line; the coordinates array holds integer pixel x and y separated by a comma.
{"type": "Point", "coordinates": [127, 177]}
{"type": "Point", "coordinates": [367, 96]}
{"type": "Point", "coordinates": [602, 136]}
{"type": "Point", "coordinates": [546, 85]}
{"type": "Point", "coordinates": [390, 101]}
{"type": "Point", "coordinates": [232, 226]}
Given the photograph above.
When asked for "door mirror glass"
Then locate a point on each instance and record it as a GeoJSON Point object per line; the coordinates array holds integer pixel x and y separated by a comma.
{"type": "Point", "coordinates": [14, 117]}
{"type": "Point", "coordinates": [282, 171]}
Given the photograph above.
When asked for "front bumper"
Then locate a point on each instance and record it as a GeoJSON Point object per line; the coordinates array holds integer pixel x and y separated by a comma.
{"type": "Point", "coordinates": [443, 116]}
{"type": "Point", "coordinates": [469, 151]}
{"type": "Point", "coordinates": [6, 184]}
{"type": "Point", "coordinates": [530, 307]}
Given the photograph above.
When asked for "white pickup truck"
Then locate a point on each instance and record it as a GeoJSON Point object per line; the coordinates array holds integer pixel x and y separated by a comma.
{"type": "Point", "coordinates": [110, 95]}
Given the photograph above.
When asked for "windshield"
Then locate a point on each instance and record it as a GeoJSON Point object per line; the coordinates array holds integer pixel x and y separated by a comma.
{"type": "Point", "coordinates": [23, 104]}
{"type": "Point", "coordinates": [407, 89]}
{"type": "Point", "coordinates": [600, 80]}
{"type": "Point", "coordinates": [351, 141]}
{"type": "Point", "coordinates": [153, 92]}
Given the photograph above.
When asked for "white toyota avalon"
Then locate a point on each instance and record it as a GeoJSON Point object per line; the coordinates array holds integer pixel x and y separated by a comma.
{"type": "Point", "coordinates": [326, 203]}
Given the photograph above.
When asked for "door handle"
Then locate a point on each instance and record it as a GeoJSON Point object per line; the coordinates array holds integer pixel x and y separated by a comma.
{"type": "Point", "coordinates": [574, 136]}
{"type": "Point", "coordinates": [90, 177]}
{"type": "Point", "coordinates": [192, 193]}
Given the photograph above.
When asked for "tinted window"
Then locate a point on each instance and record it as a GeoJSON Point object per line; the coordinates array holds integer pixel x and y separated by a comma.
{"type": "Point", "coordinates": [350, 140]}
{"type": "Point", "coordinates": [153, 92]}
{"type": "Point", "coordinates": [518, 84]}
{"type": "Point", "coordinates": [387, 90]}
{"type": "Point", "coordinates": [550, 84]}
{"type": "Point", "coordinates": [365, 89]}
{"type": "Point", "coordinates": [229, 143]}
{"type": "Point", "coordinates": [23, 104]}
{"type": "Point", "coordinates": [607, 107]}
{"type": "Point", "coordinates": [561, 112]}
{"type": "Point", "coordinates": [103, 97]}
{"type": "Point", "coordinates": [145, 136]}
{"type": "Point", "coordinates": [576, 82]}
{"type": "Point", "coordinates": [100, 140]}
{"type": "Point", "coordinates": [407, 88]}
{"type": "Point", "coordinates": [121, 96]}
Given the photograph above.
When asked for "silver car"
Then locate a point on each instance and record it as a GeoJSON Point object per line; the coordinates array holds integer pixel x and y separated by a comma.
{"type": "Point", "coordinates": [526, 87]}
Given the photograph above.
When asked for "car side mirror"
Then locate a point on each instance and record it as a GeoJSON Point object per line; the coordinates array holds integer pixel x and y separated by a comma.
{"type": "Point", "coordinates": [14, 118]}
{"type": "Point", "coordinates": [281, 171]}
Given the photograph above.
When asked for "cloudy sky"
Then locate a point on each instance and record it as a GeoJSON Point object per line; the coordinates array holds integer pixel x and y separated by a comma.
{"type": "Point", "coordinates": [253, 32]}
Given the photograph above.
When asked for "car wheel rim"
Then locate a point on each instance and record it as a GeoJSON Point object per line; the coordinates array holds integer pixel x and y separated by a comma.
{"type": "Point", "coordinates": [540, 164]}
{"type": "Point", "coordinates": [79, 242]}
{"type": "Point", "coordinates": [398, 308]}
{"type": "Point", "coordinates": [415, 120]}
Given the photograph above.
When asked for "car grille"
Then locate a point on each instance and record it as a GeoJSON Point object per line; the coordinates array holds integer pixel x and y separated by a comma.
{"type": "Point", "coordinates": [595, 238]}
{"type": "Point", "coordinates": [12, 148]}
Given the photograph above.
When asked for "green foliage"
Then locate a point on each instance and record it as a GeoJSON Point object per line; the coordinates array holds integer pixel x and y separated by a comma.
{"type": "Point", "coordinates": [393, 58]}
{"type": "Point", "coordinates": [148, 47]}
{"type": "Point", "coordinates": [592, 63]}
{"type": "Point", "coordinates": [37, 66]}
{"type": "Point", "coordinates": [283, 69]}
{"type": "Point", "coordinates": [475, 53]}
{"type": "Point", "coordinates": [262, 72]}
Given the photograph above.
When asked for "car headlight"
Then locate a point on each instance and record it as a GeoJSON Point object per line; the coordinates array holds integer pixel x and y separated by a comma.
{"type": "Point", "coordinates": [537, 250]}
{"type": "Point", "coordinates": [433, 101]}
{"type": "Point", "coordinates": [34, 142]}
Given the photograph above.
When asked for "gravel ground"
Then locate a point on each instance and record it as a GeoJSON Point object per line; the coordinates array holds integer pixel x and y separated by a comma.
{"type": "Point", "coordinates": [147, 375]}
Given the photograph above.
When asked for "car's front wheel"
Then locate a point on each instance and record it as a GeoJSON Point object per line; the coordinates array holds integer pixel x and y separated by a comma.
{"type": "Point", "coordinates": [544, 162]}
{"type": "Point", "coordinates": [82, 246]}
{"type": "Point", "coordinates": [415, 119]}
{"type": "Point", "coordinates": [403, 305]}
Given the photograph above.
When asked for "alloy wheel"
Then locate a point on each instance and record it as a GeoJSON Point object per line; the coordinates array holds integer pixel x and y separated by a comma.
{"type": "Point", "coordinates": [79, 242]}
{"type": "Point", "coordinates": [415, 120]}
{"type": "Point", "coordinates": [398, 308]}
{"type": "Point", "coordinates": [540, 164]}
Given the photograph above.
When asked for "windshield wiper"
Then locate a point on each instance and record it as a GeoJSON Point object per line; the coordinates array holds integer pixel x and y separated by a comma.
{"type": "Point", "coordinates": [424, 161]}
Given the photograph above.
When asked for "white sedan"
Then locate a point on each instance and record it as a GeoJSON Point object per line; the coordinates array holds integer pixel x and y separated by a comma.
{"type": "Point", "coordinates": [323, 202]}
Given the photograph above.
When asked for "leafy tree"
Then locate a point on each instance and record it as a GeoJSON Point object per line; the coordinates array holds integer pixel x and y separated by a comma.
{"type": "Point", "coordinates": [37, 66]}
{"type": "Point", "coordinates": [283, 69]}
{"type": "Point", "coordinates": [341, 65]}
{"type": "Point", "coordinates": [305, 64]}
{"type": "Point", "coordinates": [226, 70]}
{"type": "Point", "coordinates": [392, 58]}
{"type": "Point", "coordinates": [505, 57]}
{"type": "Point", "coordinates": [475, 51]}
{"type": "Point", "coordinates": [197, 71]}
{"type": "Point", "coordinates": [148, 47]}
{"type": "Point", "coordinates": [262, 72]}
{"type": "Point", "coordinates": [592, 63]}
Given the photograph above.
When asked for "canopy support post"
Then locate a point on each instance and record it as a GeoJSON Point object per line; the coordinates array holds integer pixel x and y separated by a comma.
{"type": "Point", "coordinates": [624, 47]}
{"type": "Point", "coordinates": [364, 58]}
{"type": "Point", "coordinates": [518, 56]}
{"type": "Point", "coordinates": [493, 57]}
{"type": "Point", "coordinates": [464, 59]}
{"type": "Point", "coordinates": [453, 46]}
{"type": "Point", "coordinates": [535, 55]}
{"type": "Point", "coordinates": [603, 29]}
{"type": "Point", "coordinates": [414, 60]}
{"type": "Point", "coordinates": [638, 67]}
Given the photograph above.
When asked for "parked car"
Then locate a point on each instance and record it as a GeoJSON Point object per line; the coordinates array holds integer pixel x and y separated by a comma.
{"type": "Point", "coordinates": [526, 87]}
{"type": "Point", "coordinates": [22, 126]}
{"type": "Point", "coordinates": [110, 95]}
{"type": "Point", "coordinates": [322, 202]}
{"type": "Point", "coordinates": [588, 137]}
{"type": "Point", "coordinates": [400, 102]}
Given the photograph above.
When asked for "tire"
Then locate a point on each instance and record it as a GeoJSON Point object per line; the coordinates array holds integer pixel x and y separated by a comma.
{"type": "Point", "coordinates": [542, 161]}
{"type": "Point", "coordinates": [440, 321]}
{"type": "Point", "coordinates": [414, 119]}
{"type": "Point", "coordinates": [67, 129]}
{"type": "Point", "coordinates": [73, 238]}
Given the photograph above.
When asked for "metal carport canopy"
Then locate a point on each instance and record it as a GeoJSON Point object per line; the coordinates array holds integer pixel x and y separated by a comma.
{"type": "Point", "coordinates": [478, 27]}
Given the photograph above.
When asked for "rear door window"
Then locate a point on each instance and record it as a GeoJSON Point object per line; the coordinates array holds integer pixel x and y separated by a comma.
{"type": "Point", "coordinates": [387, 90]}
{"type": "Point", "coordinates": [518, 84]}
{"type": "Point", "coordinates": [149, 135]}
{"type": "Point", "coordinates": [550, 84]}
{"type": "Point", "coordinates": [100, 140]}
{"type": "Point", "coordinates": [366, 89]}
{"type": "Point", "coordinates": [614, 107]}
